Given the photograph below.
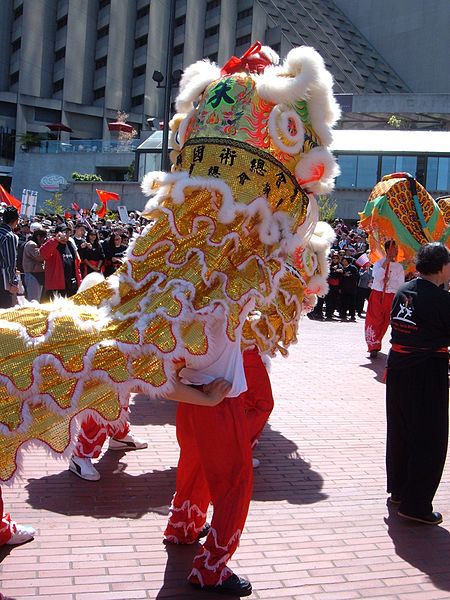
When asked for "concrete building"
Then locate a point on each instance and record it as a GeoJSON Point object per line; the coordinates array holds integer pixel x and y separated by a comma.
{"type": "Point", "coordinates": [80, 62]}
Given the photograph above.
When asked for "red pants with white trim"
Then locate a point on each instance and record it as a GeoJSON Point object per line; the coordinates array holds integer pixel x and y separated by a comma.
{"type": "Point", "coordinates": [215, 466]}
{"type": "Point", "coordinates": [7, 527]}
{"type": "Point", "coordinates": [377, 318]}
{"type": "Point", "coordinates": [92, 435]}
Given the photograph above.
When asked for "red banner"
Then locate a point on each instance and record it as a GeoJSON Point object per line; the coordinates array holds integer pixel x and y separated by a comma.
{"type": "Point", "coordinates": [8, 199]}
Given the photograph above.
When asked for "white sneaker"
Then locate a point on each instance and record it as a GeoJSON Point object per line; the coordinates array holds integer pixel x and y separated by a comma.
{"type": "Point", "coordinates": [129, 442]}
{"type": "Point", "coordinates": [24, 533]}
{"type": "Point", "coordinates": [256, 463]}
{"type": "Point", "coordinates": [84, 468]}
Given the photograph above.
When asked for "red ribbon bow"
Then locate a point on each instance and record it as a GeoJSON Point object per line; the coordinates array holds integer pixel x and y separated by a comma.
{"type": "Point", "coordinates": [247, 62]}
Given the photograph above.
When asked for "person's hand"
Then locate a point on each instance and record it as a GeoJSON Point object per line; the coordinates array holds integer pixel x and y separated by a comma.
{"type": "Point", "coordinates": [13, 289]}
{"type": "Point", "coordinates": [217, 390]}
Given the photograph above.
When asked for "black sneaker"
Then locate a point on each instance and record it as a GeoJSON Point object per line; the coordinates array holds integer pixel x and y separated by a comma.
{"type": "Point", "coordinates": [233, 585]}
{"type": "Point", "coordinates": [373, 353]}
{"type": "Point", "coordinates": [393, 499]}
{"type": "Point", "coordinates": [433, 518]}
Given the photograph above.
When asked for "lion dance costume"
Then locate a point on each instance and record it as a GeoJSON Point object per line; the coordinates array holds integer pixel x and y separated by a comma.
{"type": "Point", "coordinates": [207, 276]}
{"type": "Point", "coordinates": [398, 209]}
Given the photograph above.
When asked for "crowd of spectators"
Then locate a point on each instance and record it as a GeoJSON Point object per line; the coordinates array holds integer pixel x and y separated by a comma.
{"type": "Point", "coordinates": [54, 253]}
{"type": "Point", "coordinates": [350, 276]}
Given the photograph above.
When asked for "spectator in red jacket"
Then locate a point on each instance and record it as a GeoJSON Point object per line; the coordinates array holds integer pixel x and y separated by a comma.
{"type": "Point", "coordinates": [62, 264]}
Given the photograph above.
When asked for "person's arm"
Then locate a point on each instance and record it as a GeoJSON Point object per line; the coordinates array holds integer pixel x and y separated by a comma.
{"type": "Point", "coordinates": [31, 251]}
{"type": "Point", "coordinates": [48, 248]}
{"type": "Point", "coordinates": [212, 393]}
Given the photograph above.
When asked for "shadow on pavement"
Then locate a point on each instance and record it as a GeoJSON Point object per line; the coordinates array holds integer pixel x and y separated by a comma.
{"type": "Point", "coordinates": [425, 547]}
{"type": "Point", "coordinates": [146, 411]}
{"type": "Point", "coordinates": [178, 567]}
{"type": "Point", "coordinates": [117, 494]}
{"type": "Point", "coordinates": [283, 474]}
{"type": "Point", "coordinates": [377, 365]}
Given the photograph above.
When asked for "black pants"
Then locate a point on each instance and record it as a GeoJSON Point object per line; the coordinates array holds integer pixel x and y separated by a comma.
{"type": "Point", "coordinates": [362, 294]}
{"type": "Point", "coordinates": [332, 301]}
{"type": "Point", "coordinates": [417, 433]}
{"type": "Point", "coordinates": [7, 300]}
{"type": "Point", "coordinates": [348, 302]}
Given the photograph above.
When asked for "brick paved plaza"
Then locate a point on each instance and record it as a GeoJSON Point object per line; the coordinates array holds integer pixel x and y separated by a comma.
{"type": "Point", "coordinates": [318, 528]}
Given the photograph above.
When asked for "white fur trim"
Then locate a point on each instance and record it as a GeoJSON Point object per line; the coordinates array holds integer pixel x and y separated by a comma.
{"type": "Point", "coordinates": [279, 129]}
{"type": "Point", "coordinates": [303, 76]}
{"type": "Point", "coordinates": [316, 171]}
{"type": "Point", "coordinates": [194, 81]}
{"type": "Point", "coordinates": [90, 280]}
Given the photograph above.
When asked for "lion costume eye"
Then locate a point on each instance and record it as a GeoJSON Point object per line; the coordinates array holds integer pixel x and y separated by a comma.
{"type": "Point", "coordinates": [286, 129]}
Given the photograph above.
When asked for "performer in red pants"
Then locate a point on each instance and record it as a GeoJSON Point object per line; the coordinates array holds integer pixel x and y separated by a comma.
{"type": "Point", "coordinates": [12, 533]}
{"type": "Point", "coordinates": [215, 466]}
{"type": "Point", "coordinates": [90, 440]}
{"type": "Point", "coordinates": [388, 276]}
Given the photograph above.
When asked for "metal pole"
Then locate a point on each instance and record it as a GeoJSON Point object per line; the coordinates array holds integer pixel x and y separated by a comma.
{"type": "Point", "coordinates": [165, 162]}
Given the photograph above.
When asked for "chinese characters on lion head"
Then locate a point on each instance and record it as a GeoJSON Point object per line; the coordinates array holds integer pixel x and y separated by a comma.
{"type": "Point", "coordinates": [251, 147]}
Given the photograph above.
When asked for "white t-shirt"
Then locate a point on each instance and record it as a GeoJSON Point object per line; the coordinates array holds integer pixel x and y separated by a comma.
{"type": "Point", "coordinates": [396, 276]}
{"type": "Point", "coordinates": [223, 359]}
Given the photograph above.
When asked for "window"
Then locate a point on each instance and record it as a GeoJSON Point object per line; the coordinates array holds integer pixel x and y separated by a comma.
{"type": "Point", "coordinates": [438, 173]}
{"type": "Point", "coordinates": [59, 54]}
{"type": "Point", "coordinates": [18, 12]}
{"type": "Point", "coordinates": [14, 78]}
{"type": "Point", "coordinates": [101, 62]}
{"type": "Point", "coordinates": [99, 93]}
{"type": "Point", "coordinates": [212, 4]}
{"type": "Point", "coordinates": [103, 32]}
{"type": "Point", "coordinates": [58, 85]}
{"type": "Point", "coordinates": [178, 49]}
{"type": "Point", "coordinates": [142, 12]}
{"type": "Point", "coordinates": [138, 71]}
{"type": "Point", "coordinates": [213, 57]}
{"type": "Point", "coordinates": [140, 41]}
{"type": "Point", "coordinates": [137, 100]}
{"type": "Point", "coordinates": [244, 13]}
{"type": "Point", "coordinates": [179, 21]}
{"type": "Point", "coordinates": [244, 39]}
{"type": "Point", "coordinates": [62, 22]}
{"type": "Point", "coordinates": [211, 31]}
{"type": "Point", "coordinates": [103, 4]}
{"type": "Point", "coordinates": [367, 172]}
{"type": "Point", "coordinates": [399, 164]}
{"type": "Point", "coordinates": [357, 171]}
{"type": "Point", "coordinates": [16, 44]}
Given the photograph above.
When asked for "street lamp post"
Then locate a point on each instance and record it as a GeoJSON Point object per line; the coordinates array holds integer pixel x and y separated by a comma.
{"type": "Point", "coordinates": [165, 162]}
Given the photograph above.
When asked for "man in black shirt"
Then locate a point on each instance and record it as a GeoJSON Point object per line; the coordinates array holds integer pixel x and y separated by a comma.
{"type": "Point", "coordinates": [417, 387]}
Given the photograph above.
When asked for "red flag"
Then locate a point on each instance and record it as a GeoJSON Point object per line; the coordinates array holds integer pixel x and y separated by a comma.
{"type": "Point", "coordinates": [75, 206]}
{"type": "Point", "coordinates": [8, 199]}
{"type": "Point", "coordinates": [104, 197]}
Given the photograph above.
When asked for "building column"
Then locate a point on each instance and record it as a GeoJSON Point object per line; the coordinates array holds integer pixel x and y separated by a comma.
{"type": "Point", "coordinates": [158, 31]}
{"type": "Point", "coordinates": [194, 31]}
{"type": "Point", "coordinates": [119, 70]}
{"type": "Point", "coordinates": [227, 32]}
{"type": "Point", "coordinates": [259, 23]}
{"type": "Point", "coordinates": [6, 14]}
{"type": "Point", "coordinates": [37, 50]}
{"type": "Point", "coordinates": [80, 52]}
